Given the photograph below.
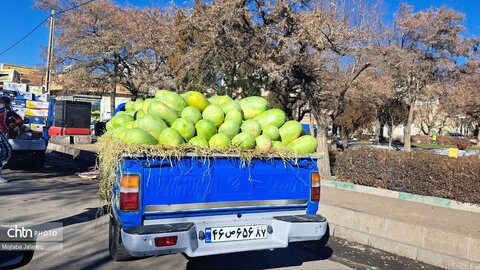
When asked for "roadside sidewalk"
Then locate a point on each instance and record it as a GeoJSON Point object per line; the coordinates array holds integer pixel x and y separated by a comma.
{"type": "Point", "coordinates": [439, 236]}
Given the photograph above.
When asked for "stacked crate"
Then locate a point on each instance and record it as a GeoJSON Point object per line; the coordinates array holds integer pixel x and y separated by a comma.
{"type": "Point", "coordinates": [31, 103]}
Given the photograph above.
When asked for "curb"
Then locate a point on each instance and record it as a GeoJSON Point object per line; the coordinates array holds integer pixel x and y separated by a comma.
{"type": "Point", "coordinates": [403, 196]}
{"type": "Point", "coordinates": [74, 152]}
{"type": "Point", "coordinates": [429, 245]}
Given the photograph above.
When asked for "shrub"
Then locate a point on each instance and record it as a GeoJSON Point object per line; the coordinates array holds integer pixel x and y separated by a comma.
{"type": "Point", "coordinates": [448, 140]}
{"type": "Point", "coordinates": [424, 139]}
{"type": "Point", "coordinates": [463, 144]}
{"type": "Point", "coordinates": [419, 172]}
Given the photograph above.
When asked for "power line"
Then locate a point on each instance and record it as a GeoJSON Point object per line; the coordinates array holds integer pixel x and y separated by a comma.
{"type": "Point", "coordinates": [40, 24]}
{"type": "Point", "coordinates": [24, 37]}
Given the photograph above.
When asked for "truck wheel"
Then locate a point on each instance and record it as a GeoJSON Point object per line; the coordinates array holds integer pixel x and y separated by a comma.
{"type": "Point", "coordinates": [39, 162]}
{"type": "Point", "coordinates": [115, 246]}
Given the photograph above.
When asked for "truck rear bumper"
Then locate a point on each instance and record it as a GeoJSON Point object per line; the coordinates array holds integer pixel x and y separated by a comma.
{"type": "Point", "coordinates": [28, 145]}
{"type": "Point", "coordinates": [140, 241]}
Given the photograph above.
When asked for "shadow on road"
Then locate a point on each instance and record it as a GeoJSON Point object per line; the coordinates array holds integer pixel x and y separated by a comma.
{"type": "Point", "coordinates": [88, 215]}
{"type": "Point", "coordinates": [57, 164]}
{"type": "Point", "coordinates": [295, 255]}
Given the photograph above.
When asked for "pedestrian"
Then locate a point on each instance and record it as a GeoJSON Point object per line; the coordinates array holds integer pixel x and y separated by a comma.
{"type": "Point", "coordinates": [5, 154]}
{"type": "Point", "coordinates": [11, 124]}
{"type": "Point", "coordinates": [434, 138]}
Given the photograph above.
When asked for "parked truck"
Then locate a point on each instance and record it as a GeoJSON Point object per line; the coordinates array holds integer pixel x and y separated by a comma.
{"type": "Point", "coordinates": [206, 205]}
{"type": "Point", "coordinates": [29, 148]}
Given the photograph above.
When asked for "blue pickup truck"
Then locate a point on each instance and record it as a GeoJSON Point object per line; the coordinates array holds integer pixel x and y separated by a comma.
{"type": "Point", "coordinates": [200, 206]}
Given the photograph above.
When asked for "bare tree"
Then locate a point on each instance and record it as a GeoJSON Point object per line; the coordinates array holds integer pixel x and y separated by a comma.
{"type": "Point", "coordinates": [423, 51]}
{"type": "Point", "coordinates": [100, 45]}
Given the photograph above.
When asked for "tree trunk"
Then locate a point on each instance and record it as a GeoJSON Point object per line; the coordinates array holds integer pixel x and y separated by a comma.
{"type": "Point", "coordinates": [378, 131]}
{"type": "Point", "coordinates": [324, 162]}
{"type": "Point", "coordinates": [390, 135]}
{"type": "Point", "coordinates": [334, 132]}
{"type": "Point", "coordinates": [478, 134]}
{"type": "Point", "coordinates": [112, 99]}
{"type": "Point", "coordinates": [312, 125]}
{"type": "Point", "coordinates": [407, 132]}
{"type": "Point", "coordinates": [322, 148]}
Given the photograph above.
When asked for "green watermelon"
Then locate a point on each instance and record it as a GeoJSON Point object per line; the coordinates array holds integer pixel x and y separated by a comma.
{"type": "Point", "coordinates": [205, 128]}
{"type": "Point", "coordinates": [263, 143]}
{"type": "Point", "coordinates": [244, 140]}
{"type": "Point", "coordinates": [272, 132]}
{"type": "Point", "coordinates": [229, 106]}
{"type": "Point", "coordinates": [229, 128]}
{"type": "Point", "coordinates": [185, 128]}
{"type": "Point", "coordinates": [196, 99]}
{"type": "Point", "coordinates": [158, 109]}
{"type": "Point", "coordinates": [120, 120]}
{"type": "Point", "coordinates": [251, 126]}
{"type": "Point", "coordinates": [170, 137]}
{"type": "Point", "coordinates": [304, 145]}
{"type": "Point", "coordinates": [214, 113]}
{"type": "Point", "coordinates": [274, 117]}
{"type": "Point", "coordinates": [199, 142]}
{"type": "Point", "coordinates": [152, 124]}
{"type": "Point", "coordinates": [173, 100]}
{"type": "Point", "coordinates": [253, 106]}
{"type": "Point", "coordinates": [290, 131]}
{"type": "Point", "coordinates": [220, 141]}
{"type": "Point", "coordinates": [138, 136]}
{"type": "Point", "coordinates": [234, 116]}
{"type": "Point", "coordinates": [191, 114]}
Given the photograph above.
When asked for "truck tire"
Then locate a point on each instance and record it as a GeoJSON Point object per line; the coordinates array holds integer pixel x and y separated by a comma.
{"type": "Point", "coordinates": [38, 162]}
{"type": "Point", "coordinates": [115, 246]}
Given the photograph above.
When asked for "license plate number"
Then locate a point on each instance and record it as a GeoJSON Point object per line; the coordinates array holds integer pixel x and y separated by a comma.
{"type": "Point", "coordinates": [238, 233]}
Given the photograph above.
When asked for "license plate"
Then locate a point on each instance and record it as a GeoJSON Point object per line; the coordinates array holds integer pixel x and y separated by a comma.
{"type": "Point", "coordinates": [238, 233]}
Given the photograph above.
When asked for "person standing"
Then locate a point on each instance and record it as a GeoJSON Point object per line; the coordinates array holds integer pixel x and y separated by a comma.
{"type": "Point", "coordinates": [9, 121]}
{"type": "Point", "coordinates": [5, 154]}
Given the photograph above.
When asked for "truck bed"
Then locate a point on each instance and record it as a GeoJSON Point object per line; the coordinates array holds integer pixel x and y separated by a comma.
{"type": "Point", "coordinates": [220, 184]}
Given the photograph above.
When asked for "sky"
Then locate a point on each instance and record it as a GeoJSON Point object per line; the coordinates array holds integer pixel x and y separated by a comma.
{"type": "Point", "coordinates": [18, 18]}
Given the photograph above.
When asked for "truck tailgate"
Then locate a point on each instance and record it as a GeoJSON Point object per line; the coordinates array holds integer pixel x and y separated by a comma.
{"type": "Point", "coordinates": [224, 184]}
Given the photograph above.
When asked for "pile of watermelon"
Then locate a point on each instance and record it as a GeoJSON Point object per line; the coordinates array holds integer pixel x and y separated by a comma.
{"type": "Point", "coordinates": [219, 122]}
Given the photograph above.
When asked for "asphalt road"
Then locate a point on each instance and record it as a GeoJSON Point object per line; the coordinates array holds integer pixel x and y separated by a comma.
{"type": "Point", "coordinates": [56, 194]}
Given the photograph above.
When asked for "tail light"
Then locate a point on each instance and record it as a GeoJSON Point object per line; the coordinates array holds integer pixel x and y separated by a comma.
{"type": "Point", "coordinates": [166, 241]}
{"type": "Point", "coordinates": [315, 187]}
{"type": "Point", "coordinates": [129, 192]}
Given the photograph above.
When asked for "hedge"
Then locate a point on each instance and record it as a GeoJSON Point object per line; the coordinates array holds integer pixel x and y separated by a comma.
{"type": "Point", "coordinates": [420, 172]}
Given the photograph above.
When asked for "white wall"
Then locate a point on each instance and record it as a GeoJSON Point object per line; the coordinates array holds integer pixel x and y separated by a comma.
{"type": "Point", "coordinates": [105, 112]}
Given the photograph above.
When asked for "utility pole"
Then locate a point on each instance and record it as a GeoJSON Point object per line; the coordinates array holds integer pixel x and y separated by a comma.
{"type": "Point", "coordinates": [50, 51]}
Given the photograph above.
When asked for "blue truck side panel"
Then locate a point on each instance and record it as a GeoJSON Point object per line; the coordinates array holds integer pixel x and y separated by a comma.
{"type": "Point", "coordinates": [194, 180]}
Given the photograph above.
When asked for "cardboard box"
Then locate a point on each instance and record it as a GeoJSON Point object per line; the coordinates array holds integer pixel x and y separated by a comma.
{"type": "Point", "coordinates": [37, 127]}
{"type": "Point", "coordinates": [36, 112]}
{"type": "Point", "coordinates": [42, 97]}
{"type": "Point", "coordinates": [20, 111]}
{"type": "Point", "coordinates": [19, 103]}
{"type": "Point", "coordinates": [9, 75]}
{"type": "Point", "coordinates": [37, 104]}
{"type": "Point", "coordinates": [36, 89]}
{"type": "Point", "coordinates": [31, 79]}
{"type": "Point", "coordinates": [37, 120]}
{"type": "Point", "coordinates": [20, 87]}
{"type": "Point", "coordinates": [26, 96]}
